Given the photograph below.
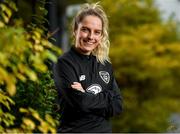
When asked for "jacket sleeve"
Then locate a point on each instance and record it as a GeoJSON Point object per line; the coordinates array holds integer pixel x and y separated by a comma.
{"type": "Point", "coordinates": [64, 76]}
{"type": "Point", "coordinates": [115, 104]}
{"type": "Point", "coordinates": [107, 103]}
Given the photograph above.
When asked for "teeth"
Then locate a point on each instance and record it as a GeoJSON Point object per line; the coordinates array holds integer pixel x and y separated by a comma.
{"type": "Point", "coordinates": [89, 42]}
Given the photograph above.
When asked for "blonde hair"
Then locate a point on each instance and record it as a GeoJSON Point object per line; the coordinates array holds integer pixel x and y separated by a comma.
{"type": "Point", "coordinates": [102, 50]}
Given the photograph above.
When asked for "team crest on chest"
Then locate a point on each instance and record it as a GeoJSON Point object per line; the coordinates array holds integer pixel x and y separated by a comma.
{"type": "Point", "coordinates": [94, 89]}
{"type": "Point", "coordinates": [104, 76]}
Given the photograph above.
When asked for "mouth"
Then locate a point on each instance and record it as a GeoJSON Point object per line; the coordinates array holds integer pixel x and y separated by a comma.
{"type": "Point", "coordinates": [88, 42]}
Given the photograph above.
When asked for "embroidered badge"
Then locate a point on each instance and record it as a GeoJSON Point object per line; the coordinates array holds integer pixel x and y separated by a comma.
{"type": "Point", "coordinates": [82, 77]}
{"type": "Point", "coordinates": [105, 76]}
{"type": "Point", "coordinates": [94, 89]}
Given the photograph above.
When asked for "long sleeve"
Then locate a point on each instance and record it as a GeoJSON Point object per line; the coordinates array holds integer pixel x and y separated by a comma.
{"type": "Point", "coordinates": [64, 76]}
{"type": "Point", "coordinates": [106, 103]}
{"type": "Point", "coordinates": [115, 104]}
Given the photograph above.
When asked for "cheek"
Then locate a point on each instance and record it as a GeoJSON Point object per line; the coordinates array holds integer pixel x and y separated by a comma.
{"type": "Point", "coordinates": [83, 35]}
{"type": "Point", "coordinates": [99, 40]}
{"type": "Point", "coordinates": [79, 35]}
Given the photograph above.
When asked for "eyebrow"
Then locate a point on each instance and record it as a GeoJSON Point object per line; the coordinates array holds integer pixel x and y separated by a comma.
{"type": "Point", "coordinates": [89, 28]}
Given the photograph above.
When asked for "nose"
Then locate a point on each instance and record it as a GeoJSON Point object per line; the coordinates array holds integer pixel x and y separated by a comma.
{"type": "Point", "coordinates": [90, 35]}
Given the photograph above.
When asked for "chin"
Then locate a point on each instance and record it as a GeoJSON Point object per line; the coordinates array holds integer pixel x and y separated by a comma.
{"type": "Point", "coordinates": [88, 49]}
{"type": "Point", "coordinates": [85, 50]}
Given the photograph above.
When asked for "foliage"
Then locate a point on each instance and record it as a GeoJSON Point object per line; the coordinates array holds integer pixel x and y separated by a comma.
{"type": "Point", "coordinates": [24, 52]}
{"type": "Point", "coordinates": [149, 74]}
{"type": "Point", "coordinates": [145, 53]}
{"type": "Point", "coordinates": [40, 95]}
{"type": "Point", "coordinates": [126, 16]}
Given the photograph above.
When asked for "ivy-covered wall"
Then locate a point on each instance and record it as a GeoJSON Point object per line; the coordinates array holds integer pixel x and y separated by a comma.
{"type": "Point", "coordinates": [27, 92]}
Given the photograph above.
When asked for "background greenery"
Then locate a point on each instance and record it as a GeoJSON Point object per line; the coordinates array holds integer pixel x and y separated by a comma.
{"type": "Point", "coordinates": [25, 82]}
{"type": "Point", "coordinates": [145, 55]}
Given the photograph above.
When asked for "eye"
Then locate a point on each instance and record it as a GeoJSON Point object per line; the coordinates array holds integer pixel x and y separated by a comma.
{"type": "Point", "coordinates": [84, 30]}
{"type": "Point", "coordinates": [98, 32]}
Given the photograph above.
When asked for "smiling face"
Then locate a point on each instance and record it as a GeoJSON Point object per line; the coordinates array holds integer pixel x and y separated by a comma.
{"type": "Point", "coordinates": [88, 34]}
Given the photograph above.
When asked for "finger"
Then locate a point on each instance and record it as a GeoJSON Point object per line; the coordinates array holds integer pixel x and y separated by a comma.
{"type": "Point", "coordinates": [76, 86]}
{"type": "Point", "coordinates": [76, 83]}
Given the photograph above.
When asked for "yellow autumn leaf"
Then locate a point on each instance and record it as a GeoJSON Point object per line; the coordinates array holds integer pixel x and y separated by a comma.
{"type": "Point", "coordinates": [5, 100]}
{"type": "Point", "coordinates": [44, 127]}
{"type": "Point", "coordinates": [27, 123]}
{"type": "Point", "coordinates": [23, 110]}
{"type": "Point", "coordinates": [3, 74]}
{"type": "Point", "coordinates": [21, 77]}
{"type": "Point", "coordinates": [40, 66]}
{"type": "Point", "coordinates": [37, 34]}
{"type": "Point", "coordinates": [1, 24]}
{"type": "Point", "coordinates": [3, 7]}
{"type": "Point", "coordinates": [6, 9]}
{"type": "Point", "coordinates": [49, 55]}
{"type": "Point", "coordinates": [38, 47]}
{"type": "Point", "coordinates": [37, 41]}
{"type": "Point", "coordinates": [11, 84]}
{"type": "Point", "coordinates": [6, 19]}
{"type": "Point", "coordinates": [11, 88]}
{"type": "Point", "coordinates": [36, 115]}
{"type": "Point", "coordinates": [32, 75]}
{"type": "Point", "coordinates": [50, 119]}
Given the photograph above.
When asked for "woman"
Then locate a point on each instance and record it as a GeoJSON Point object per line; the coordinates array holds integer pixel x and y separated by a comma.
{"type": "Point", "coordinates": [88, 92]}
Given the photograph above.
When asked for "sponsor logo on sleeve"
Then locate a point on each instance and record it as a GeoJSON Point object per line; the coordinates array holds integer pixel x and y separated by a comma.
{"type": "Point", "coordinates": [82, 77]}
{"type": "Point", "coordinates": [94, 89]}
{"type": "Point", "coordinates": [104, 76]}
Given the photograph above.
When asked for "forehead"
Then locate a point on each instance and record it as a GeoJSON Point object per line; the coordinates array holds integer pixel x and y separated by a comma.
{"type": "Point", "coordinates": [92, 22]}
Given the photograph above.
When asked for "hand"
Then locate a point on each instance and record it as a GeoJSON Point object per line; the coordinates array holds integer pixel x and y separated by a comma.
{"type": "Point", "coordinates": [77, 86]}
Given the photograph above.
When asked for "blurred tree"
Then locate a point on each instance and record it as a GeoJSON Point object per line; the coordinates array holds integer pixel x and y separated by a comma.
{"type": "Point", "coordinates": [24, 54]}
{"type": "Point", "coordinates": [145, 54]}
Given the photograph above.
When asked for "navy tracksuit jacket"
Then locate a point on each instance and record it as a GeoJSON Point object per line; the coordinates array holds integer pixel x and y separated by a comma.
{"type": "Point", "coordinates": [90, 111]}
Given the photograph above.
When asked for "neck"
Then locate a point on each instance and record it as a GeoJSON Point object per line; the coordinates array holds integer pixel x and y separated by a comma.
{"type": "Point", "coordinates": [82, 52]}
